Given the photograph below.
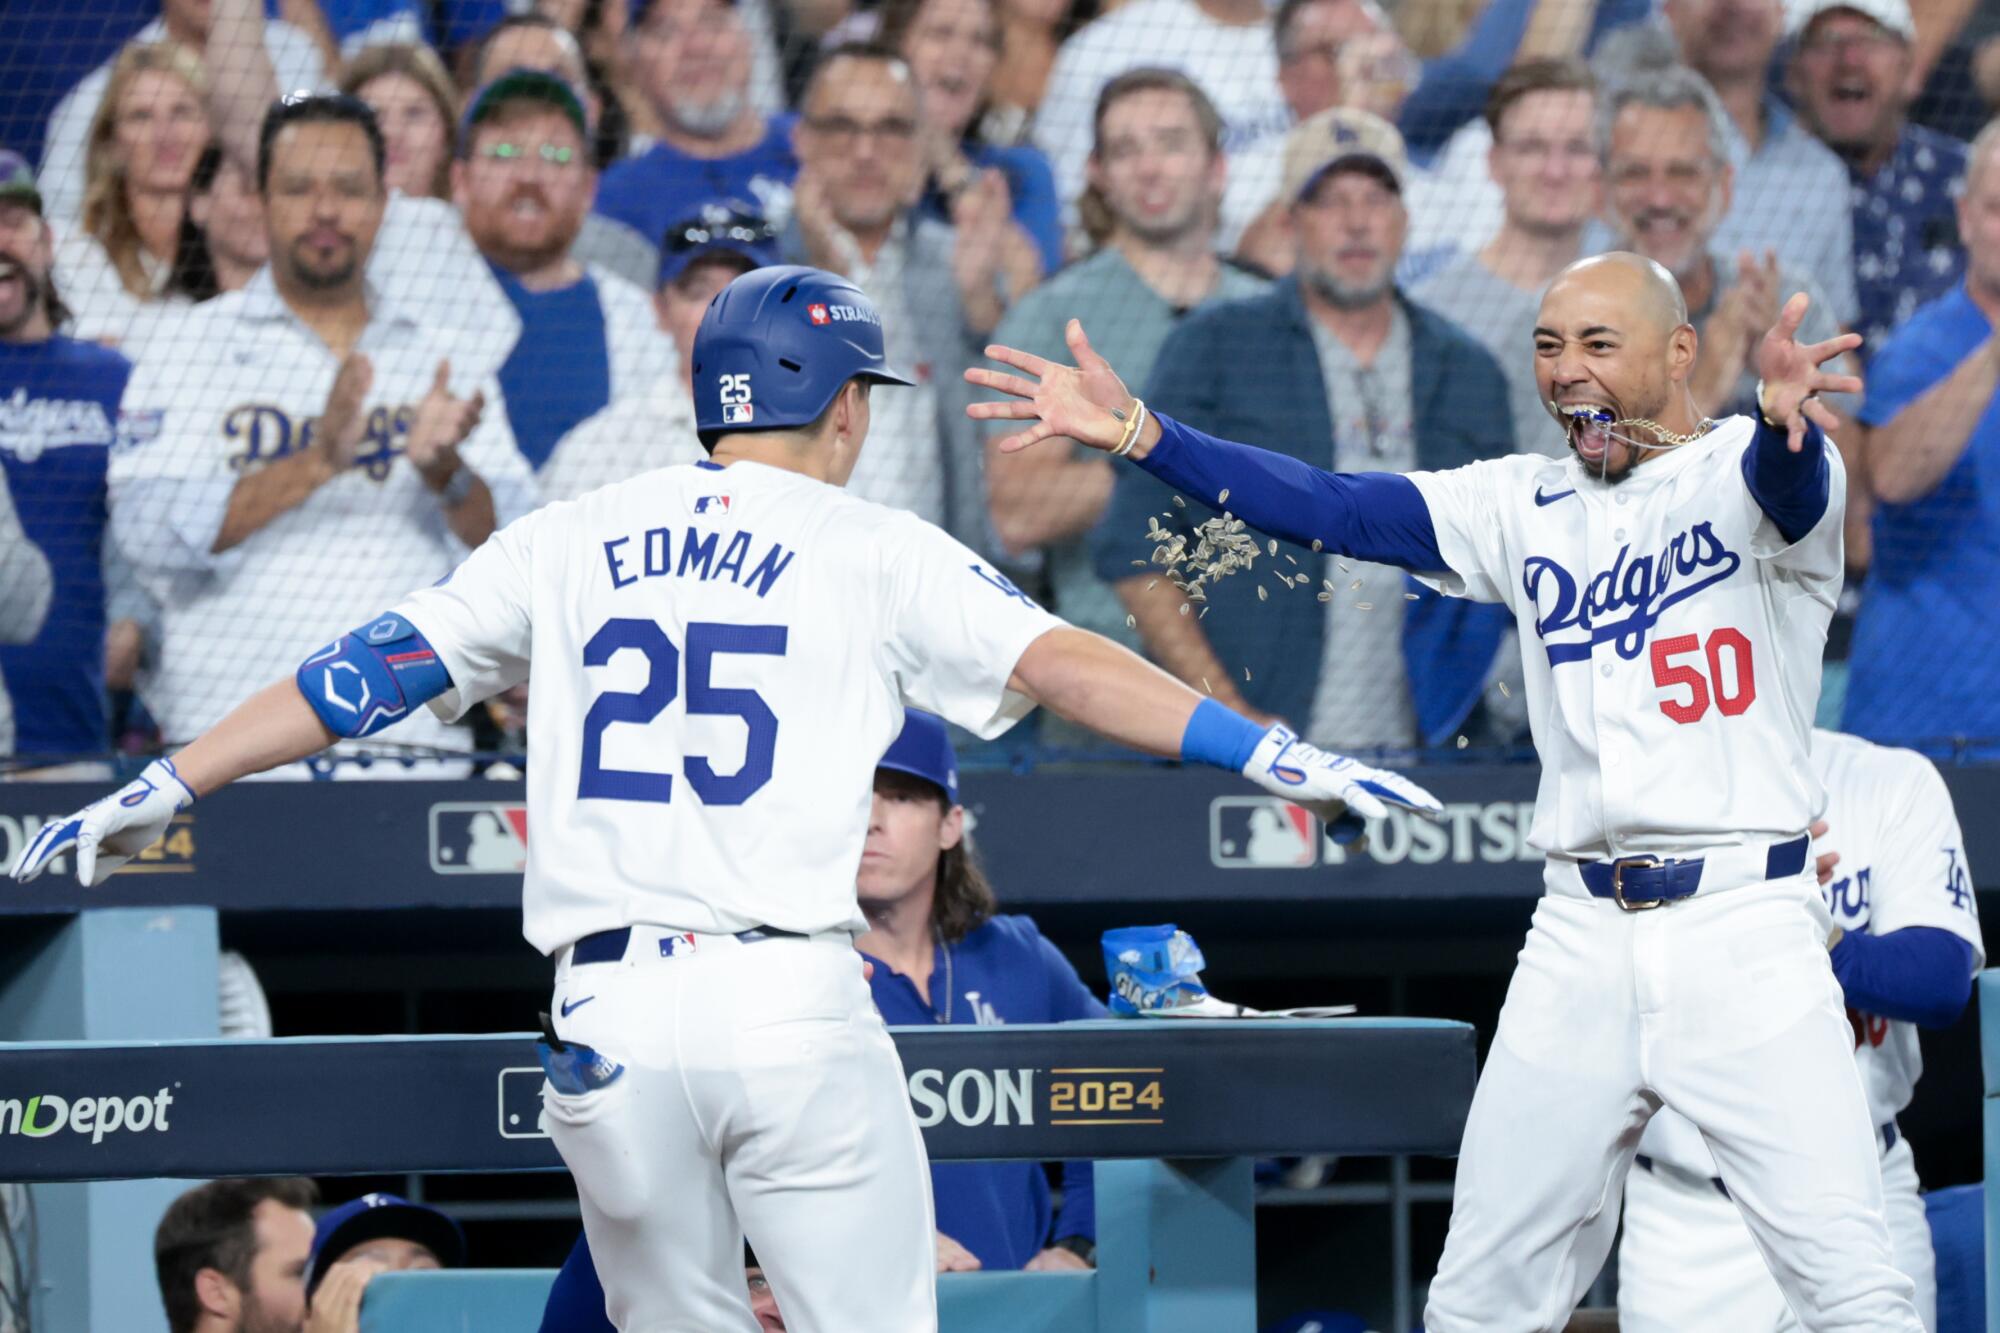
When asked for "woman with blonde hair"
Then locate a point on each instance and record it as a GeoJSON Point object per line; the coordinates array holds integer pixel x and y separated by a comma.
{"type": "Point", "coordinates": [145, 142]}
{"type": "Point", "coordinates": [415, 103]}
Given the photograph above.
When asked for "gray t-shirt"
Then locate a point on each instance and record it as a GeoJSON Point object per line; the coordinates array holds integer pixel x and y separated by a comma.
{"type": "Point", "coordinates": [1502, 317]}
{"type": "Point", "coordinates": [1127, 322]}
{"type": "Point", "coordinates": [1363, 696]}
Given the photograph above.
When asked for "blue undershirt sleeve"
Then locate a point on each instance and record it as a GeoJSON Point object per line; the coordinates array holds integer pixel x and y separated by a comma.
{"type": "Point", "coordinates": [1377, 516]}
{"type": "Point", "coordinates": [1919, 974]}
{"type": "Point", "coordinates": [1791, 488]}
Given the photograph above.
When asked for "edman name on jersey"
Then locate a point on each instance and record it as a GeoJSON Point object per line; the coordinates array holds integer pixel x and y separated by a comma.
{"type": "Point", "coordinates": [652, 555]}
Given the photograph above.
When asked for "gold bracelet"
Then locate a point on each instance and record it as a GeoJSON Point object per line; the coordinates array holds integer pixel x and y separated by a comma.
{"type": "Point", "coordinates": [1132, 429]}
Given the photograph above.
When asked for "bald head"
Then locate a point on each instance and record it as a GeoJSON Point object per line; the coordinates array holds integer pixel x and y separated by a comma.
{"type": "Point", "coordinates": [1633, 282]}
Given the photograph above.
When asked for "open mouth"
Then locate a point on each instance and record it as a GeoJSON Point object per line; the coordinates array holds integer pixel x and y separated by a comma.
{"type": "Point", "coordinates": [1588, 426]}
{"type": "Point", "coordinates": [1852, 91]}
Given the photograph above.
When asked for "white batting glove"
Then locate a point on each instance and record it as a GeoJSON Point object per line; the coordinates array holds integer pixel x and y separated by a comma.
{"type": "Point", "coordinates": [1309, 776]}
{"type": "Point", "coordinates": [110, 832]}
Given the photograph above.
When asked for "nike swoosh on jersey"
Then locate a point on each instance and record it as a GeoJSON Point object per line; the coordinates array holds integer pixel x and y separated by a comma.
{"type": "Point", "coordinates": [570, 1008]}
{"type": "Point", "coordinates": [1545, 500]}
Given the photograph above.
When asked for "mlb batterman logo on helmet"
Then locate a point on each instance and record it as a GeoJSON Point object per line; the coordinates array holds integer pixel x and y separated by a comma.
{"type": "Point", "coordinates": [776, 345]}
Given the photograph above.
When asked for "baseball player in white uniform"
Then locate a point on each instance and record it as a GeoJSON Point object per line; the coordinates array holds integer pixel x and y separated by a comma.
{"type": "Point", "coordinates": [722, 651]}
{"type": "Point", "coordinates": [268, 482]}
{"type": "Point", "coordinates": [1672, 581]}
{"type": "Point", "coordinates": [1901, 896]}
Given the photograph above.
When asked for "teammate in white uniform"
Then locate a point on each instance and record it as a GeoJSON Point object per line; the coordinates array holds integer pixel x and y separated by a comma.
{"type": "Point", "coordinates": [1686, 1261]}
{"type": "Point", "coordinates": [1672, 604]}
{"type": "Point", "coordinates": [246, 511]}
{"type": "Point", "coordinates": [722, 651]}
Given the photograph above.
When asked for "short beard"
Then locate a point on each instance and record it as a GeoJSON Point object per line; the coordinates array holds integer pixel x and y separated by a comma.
{"type": "Point", "coordinates": [707, 120]}
{"type": "Point", "coordinates": [1163, 235]}
{"type": "Point", "coordinates": [256, 1319]}
{"type": "Point", "coordinates": [34, 292]}
{"type": "Point", "coordinates": [1346, 296]}
{"type": "Point", "coordinates": [317, 281]}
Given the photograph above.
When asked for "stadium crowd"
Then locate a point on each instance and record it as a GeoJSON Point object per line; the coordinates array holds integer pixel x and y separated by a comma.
{"type": "Point", "coordinates": [266, 362]}
{"type": "Point", "coordinates": [300, 302]}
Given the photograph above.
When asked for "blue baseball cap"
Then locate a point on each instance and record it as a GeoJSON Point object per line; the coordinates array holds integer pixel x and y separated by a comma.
{"type": "Point", "coordinates": [718, 227]}
{"type": "Point", "coordinates": [924, 751]}
{"type": "Point", "coordinates": [374, 1216]}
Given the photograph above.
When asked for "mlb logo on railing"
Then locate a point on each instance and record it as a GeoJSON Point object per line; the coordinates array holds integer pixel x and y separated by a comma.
{"type": "Point", "coordinates": [479, 838]}
{"type": "Point", "coordinates": [1261, 833]}
{"type": "Point", "coordinates": [521, 1103]}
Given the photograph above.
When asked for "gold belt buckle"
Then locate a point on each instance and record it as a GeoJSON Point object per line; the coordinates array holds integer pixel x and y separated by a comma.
{"type": "Point", "coordinates": [1618, 883]}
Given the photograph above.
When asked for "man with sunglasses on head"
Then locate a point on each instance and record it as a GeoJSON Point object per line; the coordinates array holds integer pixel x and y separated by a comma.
{"type": "Point", "coordinates": [701, 253]}
{"type": "Point", "coordinates": [524, 182]}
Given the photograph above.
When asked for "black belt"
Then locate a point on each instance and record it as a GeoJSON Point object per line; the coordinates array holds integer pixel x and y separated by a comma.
{"type": "Point", "coordinates": [1638, 883]}
{"type": "Point", "coordinates": [608, 946]}
{"type": "Point", "coordinates": [1888, 1134]}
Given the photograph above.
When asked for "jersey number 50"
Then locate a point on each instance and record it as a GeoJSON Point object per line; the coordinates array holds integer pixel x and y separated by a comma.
{"type": "Point", "coordinates": [663, 668]}
{"type": "Point", "coordinates": [1731, 698]}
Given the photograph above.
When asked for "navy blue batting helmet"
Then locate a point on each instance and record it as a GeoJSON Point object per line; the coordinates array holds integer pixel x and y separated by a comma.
{"type": "Point", "coordinates": [776, 345]}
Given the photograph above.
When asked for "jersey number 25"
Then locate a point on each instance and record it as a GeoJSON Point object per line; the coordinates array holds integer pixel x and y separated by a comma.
{"type": "Point", "coordinates": [705, 639]}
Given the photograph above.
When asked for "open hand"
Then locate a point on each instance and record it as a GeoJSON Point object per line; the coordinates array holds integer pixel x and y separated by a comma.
{"type": "Point", "coordinates": [1793, 380]}
{"type": "Point", "coordinates": [109, 832]}
{"type": "Point", "coordinates": [342, 422]}
{"type": "Point", "coordinates": [441, 424]}
{"type": "Point", "coordinates": [1086, 402]}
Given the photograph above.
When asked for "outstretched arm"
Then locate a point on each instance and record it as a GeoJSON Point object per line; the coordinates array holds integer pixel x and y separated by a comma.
{"type": "Point", "coordinates": [1088, 679]}
{"type": "Point", "coordinates": [1785, 466]}
{"type": "Point", "coordinates": [1368, 515]}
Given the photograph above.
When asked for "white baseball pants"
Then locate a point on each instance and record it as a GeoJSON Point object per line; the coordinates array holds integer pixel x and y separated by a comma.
{"type": "Point", "coordinates": [1688, 1262]}
{"type": "Point", "coordinates": [761, 1096]}
{"type": "Point", "coordinates": [1723, 1007]}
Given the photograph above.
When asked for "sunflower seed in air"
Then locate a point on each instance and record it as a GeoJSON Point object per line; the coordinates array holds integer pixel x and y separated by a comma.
{"type": "Point", "coordinates": [1263, 594]}
{"type": "Point", "coordinates": [1131, 623]}
{"type": "Point", "coordinates": [1464, 741]}
{"type": "Point", "coordinates": [1326, 596]}
{"type": "Point", "coordinates": [1505, 693]}
{"type": "Point", "coordinates": [1179, 503]}
{"type": "Point", "coordinates": [1364, 606]}
{"type": "Point", "coordinates": [1316, 543]}
{"type": "Point", "coordinates": [1224, 497]}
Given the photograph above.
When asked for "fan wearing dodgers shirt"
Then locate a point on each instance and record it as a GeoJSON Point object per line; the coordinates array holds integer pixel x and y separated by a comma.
{"type": "Point", "coordinates": [301, 452]}
{"type": "Point", "coordinates": [58, 406]}
{"type": "Point", "coordinates": [722, 650]}
{"type": "Point", "coordinates": [1907, 947]}
{"type": "Point", "coordinates": [1672, 582]}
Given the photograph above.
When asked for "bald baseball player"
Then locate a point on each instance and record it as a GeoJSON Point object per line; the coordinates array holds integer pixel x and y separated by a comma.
{"type": "Point", "coordinates": [722, 650]}
{"type": "Point", "coordinates": [1672, 580]}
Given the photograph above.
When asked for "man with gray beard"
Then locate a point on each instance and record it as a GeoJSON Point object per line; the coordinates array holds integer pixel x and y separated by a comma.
{"type": "Point", "coordinates": [692, 61]}
{"type": "Point", "coordinates": [1334, 363]}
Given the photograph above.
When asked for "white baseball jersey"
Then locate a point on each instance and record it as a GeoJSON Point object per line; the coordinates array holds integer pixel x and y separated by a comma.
{"type": "Point", "coordinates": [720, 657]}
{"type": "Point", "coordinates": [238, 386]}
{"type": "Point", "coordinates": [1902, 863]}
{"type": "Point", "coordinates": [1671, 640]}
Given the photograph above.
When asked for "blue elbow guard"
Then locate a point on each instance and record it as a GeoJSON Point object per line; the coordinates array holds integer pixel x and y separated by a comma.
{"type": "Point", "coordinates": [372, 678]}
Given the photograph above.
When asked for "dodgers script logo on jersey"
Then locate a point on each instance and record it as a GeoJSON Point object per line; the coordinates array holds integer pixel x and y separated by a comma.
{"type": "Point", "coordinates": [1624, 602]}
{"type": "Point", "coordinates": [267, 433]}
{"type": "Point", "coordinates": [28, 426]}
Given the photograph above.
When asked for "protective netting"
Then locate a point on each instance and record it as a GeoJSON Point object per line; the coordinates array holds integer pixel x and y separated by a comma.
{"type": "Point", "coordinates": [296, 385]}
